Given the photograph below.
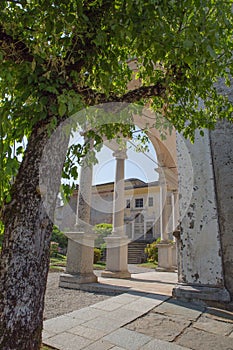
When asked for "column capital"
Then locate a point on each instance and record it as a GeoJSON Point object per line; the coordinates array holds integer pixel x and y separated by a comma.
{"type": "Point", "coordinates": [120, 154]}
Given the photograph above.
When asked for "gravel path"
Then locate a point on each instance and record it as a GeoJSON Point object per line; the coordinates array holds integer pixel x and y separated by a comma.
{"type": "Point", "coordinates": [59, 301]}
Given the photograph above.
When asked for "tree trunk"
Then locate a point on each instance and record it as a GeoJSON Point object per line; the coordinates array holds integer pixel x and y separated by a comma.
{"type": "Point", "coordinates": [24, 259]}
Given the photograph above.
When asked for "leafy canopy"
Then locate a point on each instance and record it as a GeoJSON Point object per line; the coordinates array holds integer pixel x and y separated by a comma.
{"type": "Point", "coordinates": [58, 57]}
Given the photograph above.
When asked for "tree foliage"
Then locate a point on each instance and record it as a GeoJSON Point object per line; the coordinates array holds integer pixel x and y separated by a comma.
{"type": "Point", "coordinates": [58, 57]}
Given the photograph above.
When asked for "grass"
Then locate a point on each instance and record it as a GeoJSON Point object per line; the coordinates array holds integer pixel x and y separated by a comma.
{"type": "Point", "coordinates": [149, 265]}
{"type": "Point", "coordinates": [59, 260]}
{"type": "Point", "coordinates": [58, 264]}
{"type": "Point", "coordinates": [100, 265]}
{"type": "Point", "coordinates": [46, 348]}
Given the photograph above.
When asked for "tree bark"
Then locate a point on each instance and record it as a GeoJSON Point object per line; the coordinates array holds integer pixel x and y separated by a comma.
{"type": "Point", "coordinates": [25, 253]}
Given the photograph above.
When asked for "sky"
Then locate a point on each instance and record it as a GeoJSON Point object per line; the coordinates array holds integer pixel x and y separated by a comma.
{"type": "Point", "coordinates": [138, 165]}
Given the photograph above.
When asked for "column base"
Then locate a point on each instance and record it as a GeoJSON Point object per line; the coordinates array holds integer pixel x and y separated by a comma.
{"type": "Point", "coordinates": [116, 274]}
{"type": "Point", "coordinates": [165, 261]}
{"type": "Point", "coordinates": [117, 257]}
{"type": "Point", "coordinates": [75, 281]}
{"type": "Point", "coordinates": [207, 294]}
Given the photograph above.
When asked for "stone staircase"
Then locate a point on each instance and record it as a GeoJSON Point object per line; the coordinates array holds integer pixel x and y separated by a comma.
{"type": "Point", "coordinates": [136, 254]}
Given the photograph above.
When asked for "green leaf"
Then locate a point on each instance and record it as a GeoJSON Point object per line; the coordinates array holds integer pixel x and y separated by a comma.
{"type": "Point", "coordinates": [187, 44]}
{"type": "Point", "coordinates": [62, 109]}
{"type": "Point", "coordinates": [33, 65]}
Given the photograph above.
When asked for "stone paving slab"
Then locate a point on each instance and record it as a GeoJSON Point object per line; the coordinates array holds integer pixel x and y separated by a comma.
{"type": "Point", "coordinates": [213, 326]}
{"type": "Point", "coordinates": [126, 298]}
{"type": "Point", "coordinates": [86, 314]}
{"type": "Point", "coordinates": [104, 324]}
{"type": "Point", "coordinates": [92, 334]}
{"type": "Point", "coordinates": [107, 305]}
{"type": "Point", "coordinates": [219, 314]}
{"type": "Point", "coordinates": [142, 321]}
{"type": "Point", "coordinates": [174, 307]}
{"type": "Point", "coordinates": [124, 315]}
{"type": "Point", "coordinates": [157, 344]}
{"type": "Point", "coordinates": [201, 340]}
{"type": "Point", "coordinates": [61, 324]}
{"type": "Point", "coordinates": [159, 326]}
{"type": "Point", "coordinates": [143, 304]}
{"type": "Point", "coordinates": [127, 339]}
{"type": "Point", "coordinates": [68, 341]}
{"type": "Point", "coordinates": [100, 345]}
{"type": "Point", "coordinates": [46, 335]}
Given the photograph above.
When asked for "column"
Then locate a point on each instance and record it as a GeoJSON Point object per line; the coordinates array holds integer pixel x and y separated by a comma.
{"type": "Point", "coordinates": [80, 251]}
{"type": "Point", "coordinates": [165, 262]}
{"type": "Point", "coordinates": [117, 242]}
{"type": "Point", "coordinates": [144, 227]}
{"type": "Point", "coordinates": [163, 211]}
{"type": "Point", "coordinates": [200, 266]}
{"type": "Point", "coordinates": [174, 199]}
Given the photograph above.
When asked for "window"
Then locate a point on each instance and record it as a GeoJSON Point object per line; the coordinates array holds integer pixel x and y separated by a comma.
{"type": "Point", "coordinates": [127, 203]}
{"type": "Point", "coordinates": [139, 203]}
{"type": "Point", "coordinates": [150, 201]}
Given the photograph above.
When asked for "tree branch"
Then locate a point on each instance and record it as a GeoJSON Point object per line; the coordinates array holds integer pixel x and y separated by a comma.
{"type": "Point", "coordinates": [14, 49]}
{"type": "Point", "coordinates": [91, 98]}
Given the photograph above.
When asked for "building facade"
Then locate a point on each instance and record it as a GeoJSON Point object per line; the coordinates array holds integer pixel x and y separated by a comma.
{"type": "Point", "coordinates": [141, 212]}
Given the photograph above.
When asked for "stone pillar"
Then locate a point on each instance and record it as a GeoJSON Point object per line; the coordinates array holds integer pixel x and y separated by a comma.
{"type": "Point", "coordinates": [200, 267]}
{"type": "Point", "coordinates": [117, 242]}
{"type": "Point", "coordinates": [165, 261]}
{"type": "Point", "coordinates": [80, 251]}
{"type": "Point", "coordinates": [174, 197]}
{"type": "Point", "coordinates": [163, 211]}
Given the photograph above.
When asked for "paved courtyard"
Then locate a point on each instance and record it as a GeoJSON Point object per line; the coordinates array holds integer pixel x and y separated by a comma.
{"type": "Point", "coordinates": [143, 317]}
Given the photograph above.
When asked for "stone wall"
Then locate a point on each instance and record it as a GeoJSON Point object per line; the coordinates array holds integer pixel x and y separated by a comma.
{"type": "Point", "coordinates": [222, 152]}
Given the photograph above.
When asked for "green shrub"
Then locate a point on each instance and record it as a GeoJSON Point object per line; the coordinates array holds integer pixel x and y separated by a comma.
{"type": "Point", "coordinates": [59, 237]}
{"type": "Point", "coordinates": [151, 251]}
{"type": "Point", "coordinates": [97, 255]}
{"type": "Point", "coordinates": [53, 249]}
{"type": "Point", "coordinates": [102, 230]}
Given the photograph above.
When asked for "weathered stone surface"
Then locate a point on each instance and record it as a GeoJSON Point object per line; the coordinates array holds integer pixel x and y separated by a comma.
{"type": "Point", "coordinates": [159, 326]}
{"type": "Point", "coordinates": [127, 339]}
{"type": "Point", "coordinates": [92, 334]}
{"type": "Point", "coordinates": [86, 314]}
{"type": "Point", "coordinates": [203, 293]}
{"type": "Point", "coordinates": [200, 241]}
{"type": "Point", "coordinates": [143, 304]}
{"type": "Point", "coordinates": [200, 340]}
{"type": "Point", "coordinates": [61, 324]}
{"type": "Point", "coordinates": [107, 305]}
{"type": "Point", "coordinates": [177, 308]}
{"type": "Point", "coordinates": [100, 345]}
{"type": "Point", "coordinates": [219, 314]}
{"type": "Point", "coordinates": [157, 344]}
{"type": "Point", "coordinates": [124, 315]}
{"type": "Point", "coordinates": [67, 341]}
{"type": "Point", "coordinates": [222, 150]}
{"type": "Point", "coordinates": [126, 298]}
{"type": "Point", "coordinates": [104, 324]}
{"type": "Point", "coordinates": [213, 326]}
